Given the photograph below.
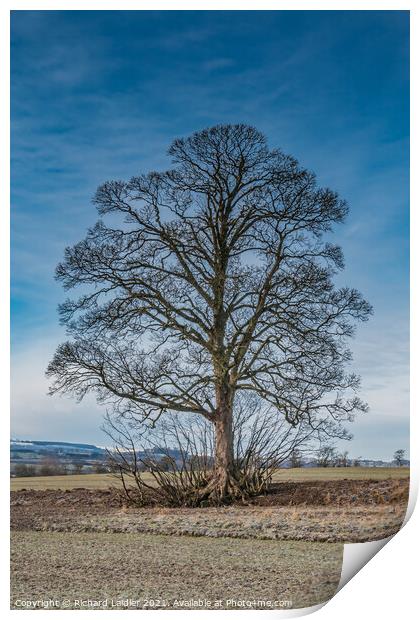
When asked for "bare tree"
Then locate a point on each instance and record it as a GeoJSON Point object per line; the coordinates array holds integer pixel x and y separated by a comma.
{"type": "Point", "coordinates": [296, 458]}
{"type": "Point", "coordinates": [77, 467]}
{"type": "Point", "coordinates": [399, 457]}
{"type": "Point", "coordinates": [51, 466]}
{"type": "Point", "coordinates": [101, 468]}
{"type": "Point", "coordinates": [326, 456]}
{"type": "Point", "coordinates": [24, 470]}
{"type": "Point", "coordinates": [212, 279]}
{"type": "Point", "coordinates": [342, 459]}
{"type": "Point", "coordinates": [167, 463]}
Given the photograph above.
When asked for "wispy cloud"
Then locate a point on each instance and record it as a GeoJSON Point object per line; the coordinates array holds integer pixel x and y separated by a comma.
{"type": "Point", "coordinates": [100, 95]}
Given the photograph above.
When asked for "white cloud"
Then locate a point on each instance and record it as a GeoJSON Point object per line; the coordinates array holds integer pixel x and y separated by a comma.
{"type": "Point", "coordinates": [380, 356]}
{"type": "Point", "coordinates": [35, 415]}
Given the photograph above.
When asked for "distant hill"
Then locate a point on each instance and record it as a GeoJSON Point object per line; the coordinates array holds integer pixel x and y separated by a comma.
{"type": "Point", "coordinates": [70, 456]}
{"type": "Point", "coordinates": [19, 445]}
{"type": "Point", "coordinates": [81, 456]}
{"type": "Point", "coordinates": [89, 457]}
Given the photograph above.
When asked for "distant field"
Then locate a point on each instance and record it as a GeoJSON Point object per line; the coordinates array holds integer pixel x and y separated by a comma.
{"type": "Point", "coordinates": [103, 481]}
{"type": "Point", "coordinates": [85, 481]}
{"type": "Point", "coordinates": [339, 473]}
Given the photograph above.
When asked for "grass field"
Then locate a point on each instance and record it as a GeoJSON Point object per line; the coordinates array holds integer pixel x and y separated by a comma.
{"type": "Point", "coordinates": [157, 571]}
{"type": "Point", "coordinates": [83, 545]}
{"type": "Point", "coordinates": [103, 481]}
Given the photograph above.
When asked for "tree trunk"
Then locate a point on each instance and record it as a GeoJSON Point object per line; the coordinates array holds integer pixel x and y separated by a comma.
{"type": "Point", "coordinates": [223, 449]}
{"type": "Point", "coordinates": [224, 484]}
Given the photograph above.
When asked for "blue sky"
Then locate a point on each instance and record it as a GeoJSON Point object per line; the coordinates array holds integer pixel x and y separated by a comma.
{"type": "Point", "coordinates": [101, 95]}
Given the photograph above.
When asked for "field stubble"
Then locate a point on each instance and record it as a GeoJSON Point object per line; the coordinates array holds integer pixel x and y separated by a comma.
{"type": "Point", "coordinates": [285, 547]}
{"type": "Point", "coordinates": [169, 572]}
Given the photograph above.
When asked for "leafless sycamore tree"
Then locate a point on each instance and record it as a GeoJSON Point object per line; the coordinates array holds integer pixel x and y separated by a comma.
{"type": "Point", "coordinates": [209, 280]}
{"type": "Point", "coordinates": [399, 457]}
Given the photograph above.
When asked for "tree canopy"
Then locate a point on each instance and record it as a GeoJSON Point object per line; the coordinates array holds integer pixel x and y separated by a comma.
{"type": "Point", "coordinates": [210, 279]}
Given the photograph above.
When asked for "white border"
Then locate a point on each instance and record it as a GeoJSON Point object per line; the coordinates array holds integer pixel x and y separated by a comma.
{"type": "Point", "coordinates": [384, 587]}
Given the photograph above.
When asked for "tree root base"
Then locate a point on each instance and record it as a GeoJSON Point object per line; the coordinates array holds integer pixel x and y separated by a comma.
{"type": "Point", "coordinates": [218, 489]}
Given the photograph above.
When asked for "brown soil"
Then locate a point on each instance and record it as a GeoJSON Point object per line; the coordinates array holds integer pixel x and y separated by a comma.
{"type": "Point", "coordinates": [314, 493]}
{"type": "Point", "coordinates": [336, 493]}
{"type": "Point", "coordinates": [342, 510]}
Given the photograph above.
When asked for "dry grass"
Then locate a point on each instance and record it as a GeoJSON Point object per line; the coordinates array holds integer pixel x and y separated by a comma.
{"type": "Point", "coordinates": [306, 523]}
{"type": "Point", "coordinates": [85, 481]}
{"type": "Point", "coordinates": [103, 481]}
{"type": "Point", "coordinates": [157, 571]}
{"type": "Point", "coordinates": [340, 473]}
